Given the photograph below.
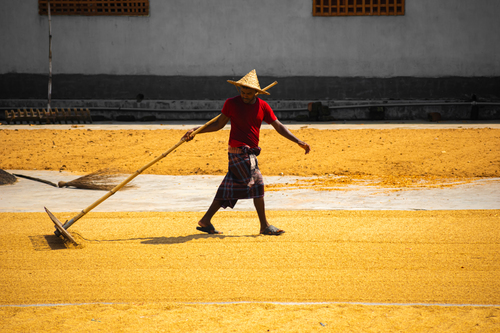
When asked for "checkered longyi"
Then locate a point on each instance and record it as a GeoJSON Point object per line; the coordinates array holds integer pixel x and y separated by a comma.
{"type": "Point", "coordinates": [243, 180]}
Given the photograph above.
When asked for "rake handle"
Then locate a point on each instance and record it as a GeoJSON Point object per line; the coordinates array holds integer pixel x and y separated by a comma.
{"type": "Point", "coordinates": [271, 85]}
{"type": "Point", "coordinates": [36, 179]}
{"type": "Point", "coordinates": [138, 172]}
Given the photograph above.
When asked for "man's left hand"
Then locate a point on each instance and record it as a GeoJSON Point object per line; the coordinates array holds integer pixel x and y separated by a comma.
{"type": "Point", "coordinates": [304, 146]}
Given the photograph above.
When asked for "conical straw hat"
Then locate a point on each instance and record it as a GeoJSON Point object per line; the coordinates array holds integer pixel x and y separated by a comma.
{"type": "Point", "coordinates": [249, 81]}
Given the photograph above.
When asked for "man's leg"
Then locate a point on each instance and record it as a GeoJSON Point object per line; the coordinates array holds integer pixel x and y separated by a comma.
{"type": "Point", "coordinates": [207, 218]}
{"type": "Point", "coordinates": [260, 207]}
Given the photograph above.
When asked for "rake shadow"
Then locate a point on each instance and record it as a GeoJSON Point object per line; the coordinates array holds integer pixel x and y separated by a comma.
{"type": "Point", "coordinates": [47, 243]}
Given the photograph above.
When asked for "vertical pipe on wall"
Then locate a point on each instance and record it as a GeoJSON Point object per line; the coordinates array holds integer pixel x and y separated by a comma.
{"type": "Point", "coordinates": [50, 58]}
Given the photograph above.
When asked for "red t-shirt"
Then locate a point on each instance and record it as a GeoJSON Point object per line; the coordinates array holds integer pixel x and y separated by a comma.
{"type": "Point", "coordinates": [246, 120]}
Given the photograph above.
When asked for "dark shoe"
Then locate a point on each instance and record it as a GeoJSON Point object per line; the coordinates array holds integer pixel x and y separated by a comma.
{"type": "Point", "coordinates": [272, 231]}
{"type": "Point", "coordinates": [209, 230]}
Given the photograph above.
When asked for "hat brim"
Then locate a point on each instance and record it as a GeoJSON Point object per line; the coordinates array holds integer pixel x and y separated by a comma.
{"type": "Point", "coordinates": [260, 91]}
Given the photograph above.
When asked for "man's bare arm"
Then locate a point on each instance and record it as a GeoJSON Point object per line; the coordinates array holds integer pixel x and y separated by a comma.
{"type": "Point", "coordinates": [213, 127]}
{"type": "Point", "coordinates": [285, 132]}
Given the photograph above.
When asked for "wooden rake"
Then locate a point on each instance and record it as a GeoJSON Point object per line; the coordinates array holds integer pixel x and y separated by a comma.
{"type": "Point", "coordinates": [61, 229]}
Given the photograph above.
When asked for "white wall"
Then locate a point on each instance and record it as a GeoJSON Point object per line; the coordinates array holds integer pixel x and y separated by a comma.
{"type": "Point", "coordinates": [278, 38]}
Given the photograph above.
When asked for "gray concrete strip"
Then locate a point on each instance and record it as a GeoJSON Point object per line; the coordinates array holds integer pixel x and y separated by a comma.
{"type": "Point", "coordinates": [195, 193]}
{"type": "Point", "coordinates": [335, 125]}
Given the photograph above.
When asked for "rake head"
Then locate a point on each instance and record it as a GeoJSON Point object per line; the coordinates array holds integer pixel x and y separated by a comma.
{"type": "Point", "coordinates": [104, 180]}
{"type": "Point", "coordinates": [59, 228]}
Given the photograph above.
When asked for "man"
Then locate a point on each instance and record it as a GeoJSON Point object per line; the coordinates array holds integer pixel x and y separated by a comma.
{"type": "Point", "coordinates": [244, 180]}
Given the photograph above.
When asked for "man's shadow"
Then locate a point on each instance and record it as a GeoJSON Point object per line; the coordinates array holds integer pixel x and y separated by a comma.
{"type": "Point", "coordinates": [176, 240]}
{"type": "Point", "coordinates": [184, 239]}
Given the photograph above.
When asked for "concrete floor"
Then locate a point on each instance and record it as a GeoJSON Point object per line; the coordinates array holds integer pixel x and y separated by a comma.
{"type": "Point", "coordinates": [195, 193]}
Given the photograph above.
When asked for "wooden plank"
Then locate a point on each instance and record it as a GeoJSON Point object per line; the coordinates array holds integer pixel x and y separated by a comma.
{"type": "Point", "coordinates": [8, 116]}
{"type": "Point", "coordinates": [57, 117]}
{"type": "Point", "coordinates": [13, 116]}
{"type": "Point", "coordinates": [22, 116]}
{"type": "Point", "coordinates": [326, 7]}
{"type": "Point", "coordinates": [317, 7]}
{"type": "Point", "coordinates": [77, 116]}
{"type": "Point", "coordinates": [401, 7]}
{"type": "Point", "coordinates": [39, 116]}
{"type": "Point", "coordinates": [89, 117]}
{"type": "Point", "coordinates": [67, 115]}
{"type": "Point", "coordinates": [32, 116]}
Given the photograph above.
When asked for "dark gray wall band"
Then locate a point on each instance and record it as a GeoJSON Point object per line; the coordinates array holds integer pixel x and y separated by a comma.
{"type": "Point", "coordinates": [128, 87]}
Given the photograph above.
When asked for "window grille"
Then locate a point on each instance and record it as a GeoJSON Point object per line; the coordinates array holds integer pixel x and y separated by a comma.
{"type": "Point", "coordinates": [95, 7]}
{"type": "Point", "coordinates": [358, 7]}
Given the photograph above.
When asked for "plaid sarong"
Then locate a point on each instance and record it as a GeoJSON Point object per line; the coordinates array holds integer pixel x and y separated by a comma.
{"type": "Point", "coordinates": [243, 180]}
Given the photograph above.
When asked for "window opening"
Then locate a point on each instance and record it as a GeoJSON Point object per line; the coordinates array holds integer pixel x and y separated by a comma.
{"type": "Point", "coordinates": [358, 7]}
{"type": "Point", "coordinates": [95, 7]}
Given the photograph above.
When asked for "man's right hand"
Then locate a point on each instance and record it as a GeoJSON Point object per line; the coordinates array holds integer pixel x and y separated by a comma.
{"type": "Point", "coordinates": [188, 136]}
